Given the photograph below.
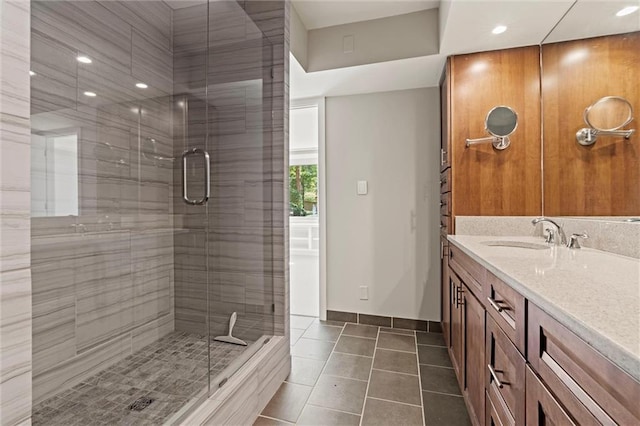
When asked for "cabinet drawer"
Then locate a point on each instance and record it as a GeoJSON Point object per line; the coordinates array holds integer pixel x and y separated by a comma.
{"type": "Point", "coordinates": [506, 307]}
{"type": "Point", "coordinates": [445, 225]}
{"type": "Point", "coordinates": [590, 387]}
{"type": "Point", "coordinates": [504, 372]}
{"type": "Point", "coordinates": [445, 204]}
{"type": "Point", "coordinates": [542, 407]}
{"type": "Point", "coordinates": [497, 413]}
{"type": "Point", "coordinates": [445, 181]}
{"type": "Point", "coordinates": [468, 270]}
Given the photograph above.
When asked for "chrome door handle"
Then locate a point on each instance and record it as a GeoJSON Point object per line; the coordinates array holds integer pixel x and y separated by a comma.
{"type": "Point", "coordinates": [207, 177]}
{"type": "Point", "coordinates": [495, 377]}
{"type": "Point", "coordinates": [495, 305]}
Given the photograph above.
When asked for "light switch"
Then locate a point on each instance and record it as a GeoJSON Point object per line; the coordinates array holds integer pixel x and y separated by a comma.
{"type": "Point", "coordinates": [348, 42]}
{"type": "Point", "coordinates": [364, 292]}
{"type": "Point", "coordinates": [363, 187]}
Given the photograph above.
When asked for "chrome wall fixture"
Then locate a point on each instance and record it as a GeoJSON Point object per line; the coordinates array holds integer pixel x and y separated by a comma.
{"type": "Point", "coordinates": [207, 177]}
{"type": "Point", "coordinates": [500, 123]}
{"type": "Point", "coordinates": [606, 106]}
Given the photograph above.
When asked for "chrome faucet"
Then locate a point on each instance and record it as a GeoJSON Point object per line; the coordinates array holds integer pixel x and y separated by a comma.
{"type": "Point", "coordinates": [559, 230]}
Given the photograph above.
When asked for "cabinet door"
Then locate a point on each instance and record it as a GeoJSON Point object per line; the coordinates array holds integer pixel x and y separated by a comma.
{"type": "Point", "coordinates": [474, 365]}
{"type": "Point", "coordinates": [504, 371]}
{"type": "Point", "coordinates": [542, 407]}
{"type": "Point", "coordinates": [445, 151]}
{"type": "Point", "coordinates": [456, 348]}
{"type": "Point", "coordinates": [446, 292]}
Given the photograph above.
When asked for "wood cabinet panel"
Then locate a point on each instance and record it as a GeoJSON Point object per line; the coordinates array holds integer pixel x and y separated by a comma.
{"type": "Point", "coordinates": [542, 408]}
{"type": "Point", "coordinates": [468, 270]}
{"type": "Point", "coordinates": [446, 293]}
{"type": "Point", "coordinates": [457, 327]}
{"type": "Point", "coordinates": [474, 327]}
{"type": "Point", "coordinates": [497, 413]}
{"type": "Point", "coordinates": [591, 388]}
{"type": "Point", "coordinates": [445, 204]}
{"type": "Point", "coordinates": [601, 179]}
{"type": "Point", "coordinates": [445, 116]}
{"type": "Point", "coordinates": [486, 181]}
{"type": "Point", "coordinates": [445, 181]}
{"type": "Point", "coordinates": [508, 366]}
{"type": "Point", "coordinates": [507, 307]}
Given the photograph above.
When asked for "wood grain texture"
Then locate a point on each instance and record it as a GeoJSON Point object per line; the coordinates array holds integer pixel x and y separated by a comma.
{"type": "Point", "coordinates": [591, 388]}
{"type": "Point", "coordinates": [602, 179]}
{"type": "Point", "coordinates": [509, 365]}
{"type": "Point", "coordinates": [486, 181]}
{"type": "Point", "coordinates": [445, 117]}
{"type": "Point", "coordinates": [474, 361]}
{"type": "Point", "coordinates": [542, 407]}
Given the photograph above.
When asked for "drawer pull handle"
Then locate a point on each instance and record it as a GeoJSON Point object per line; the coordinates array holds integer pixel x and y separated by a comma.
{"type": "Point", "coordinates": [495, 304]}
{"type": "Point", "coordinates": [495, 377]}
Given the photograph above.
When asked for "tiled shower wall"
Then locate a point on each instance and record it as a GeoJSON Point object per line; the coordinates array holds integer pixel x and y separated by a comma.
{"type": "Point", "coordinates": [243, 231]}
{"type": "Point", "coordinates": [103, 280]}
{"type": "Point", "coordinates": [15, 280]}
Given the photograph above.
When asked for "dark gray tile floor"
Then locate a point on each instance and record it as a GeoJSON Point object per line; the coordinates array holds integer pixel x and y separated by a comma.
{"type": "Point", "coordinates": [350, 374]}
{"type": "Point", "coordinates": [171, 371]}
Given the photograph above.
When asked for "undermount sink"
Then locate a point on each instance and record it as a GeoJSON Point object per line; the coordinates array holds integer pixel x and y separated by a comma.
{"type": "Point", "coordinates": [516, 244]}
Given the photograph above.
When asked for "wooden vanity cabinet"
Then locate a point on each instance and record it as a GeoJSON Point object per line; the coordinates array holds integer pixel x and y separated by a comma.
{"type": "Point", "coordinates": [504, 373]}
{"type": "Point", "coordinates": [466, 347]}
{"type": "Point", "coordinates": [456, 344]}
{"type": "Point", "coordinates": [517, 365]}
{"type": "Point", "coordinates": [474, 361]}
{"type": "Point", "coordinates": [446, 291]}
{"type": "Point", "coordinates": [591, 388]}
{"type": "Point", "coordinates": [543, 408]}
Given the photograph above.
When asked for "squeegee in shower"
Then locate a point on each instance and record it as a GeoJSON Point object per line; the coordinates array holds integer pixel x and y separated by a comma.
{"type": "Point", "coordinates": [229, 338]}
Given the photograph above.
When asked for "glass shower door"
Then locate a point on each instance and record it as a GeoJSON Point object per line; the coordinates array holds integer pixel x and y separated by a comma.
{"type": "Point", "coordinates": [239, 94]}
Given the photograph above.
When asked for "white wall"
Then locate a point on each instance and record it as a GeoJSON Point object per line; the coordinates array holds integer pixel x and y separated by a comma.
{"type": "Point", "coordinates": [378, 40]}
{"type": "Point", "coordinates": [386, 240]}
{"type": "Point", "coordinates": [298, 38]}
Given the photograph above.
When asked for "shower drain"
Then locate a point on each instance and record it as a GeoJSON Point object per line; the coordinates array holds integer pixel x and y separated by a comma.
{"type": "Point", "coordinates": [141, 403]}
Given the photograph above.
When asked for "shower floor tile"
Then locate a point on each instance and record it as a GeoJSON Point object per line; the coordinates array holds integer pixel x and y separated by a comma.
{"type": "Point", "coordinates": [170, 371]}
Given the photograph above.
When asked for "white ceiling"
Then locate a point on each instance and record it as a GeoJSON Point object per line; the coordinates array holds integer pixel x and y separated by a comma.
{"type": "Point", "coordinates": [595, 18]}
{"type": "Point", "coordinates": [468, 24]}
{"type": "Point", "coordinates": [379, 77]}
{"type": "Point", "coordinates": [326, 13]}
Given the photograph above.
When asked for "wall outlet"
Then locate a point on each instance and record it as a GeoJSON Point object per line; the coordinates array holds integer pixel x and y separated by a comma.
{"type": "Point", "coordinates": [364, 292]}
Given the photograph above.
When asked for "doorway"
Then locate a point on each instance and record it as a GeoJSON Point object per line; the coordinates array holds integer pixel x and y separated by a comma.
{"type": "Point", "coordinates": [306, 208]}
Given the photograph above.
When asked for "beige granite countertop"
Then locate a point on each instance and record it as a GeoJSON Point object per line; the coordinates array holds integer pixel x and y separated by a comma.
{"type": "Point", "coordinates": [595, 294]}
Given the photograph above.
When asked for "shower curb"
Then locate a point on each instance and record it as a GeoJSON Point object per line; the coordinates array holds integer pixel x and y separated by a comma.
{"type": "Point", "coordinates": [247, 392]}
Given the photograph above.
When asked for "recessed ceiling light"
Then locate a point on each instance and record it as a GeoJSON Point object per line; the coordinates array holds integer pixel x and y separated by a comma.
{"type": "Point", "coordinates": [141, 86]}
{"type": "Point", "coordinates": [90, 94]}
{"type": "Point", "coordinates": [84, 59]}
{"type": "Point", "coordinates": [31, 73]}
{"type": "Point", "coordinates": [627, 11]}
{"type": "Point", "coordinates": [499, 29]}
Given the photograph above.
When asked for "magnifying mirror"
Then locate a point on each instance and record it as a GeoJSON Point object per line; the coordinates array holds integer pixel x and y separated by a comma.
{"type": "Point", "coordinates": [500, 123]}
{"type": "Point", "coordinates": [606, 116]}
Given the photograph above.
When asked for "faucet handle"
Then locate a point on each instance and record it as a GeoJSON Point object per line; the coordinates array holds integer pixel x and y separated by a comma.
{"type": "Point", "coordinates": [574, 242]}
{"type": "Point", "coordinates": [550, 236]}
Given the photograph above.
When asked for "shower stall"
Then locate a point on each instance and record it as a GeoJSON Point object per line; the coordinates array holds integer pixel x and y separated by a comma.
{"type": "Point", "coordinates": [157, 202]}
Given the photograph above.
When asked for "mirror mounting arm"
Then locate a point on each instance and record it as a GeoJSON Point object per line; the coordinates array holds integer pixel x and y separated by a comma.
{"type": "Point", "coordinates": [499, 142]}
{"type": "Point", "coordinates": [587, 136]}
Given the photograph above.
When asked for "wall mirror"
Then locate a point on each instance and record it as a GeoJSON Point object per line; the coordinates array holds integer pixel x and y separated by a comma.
{"type": "Point", "coordinates": [590, 81]}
